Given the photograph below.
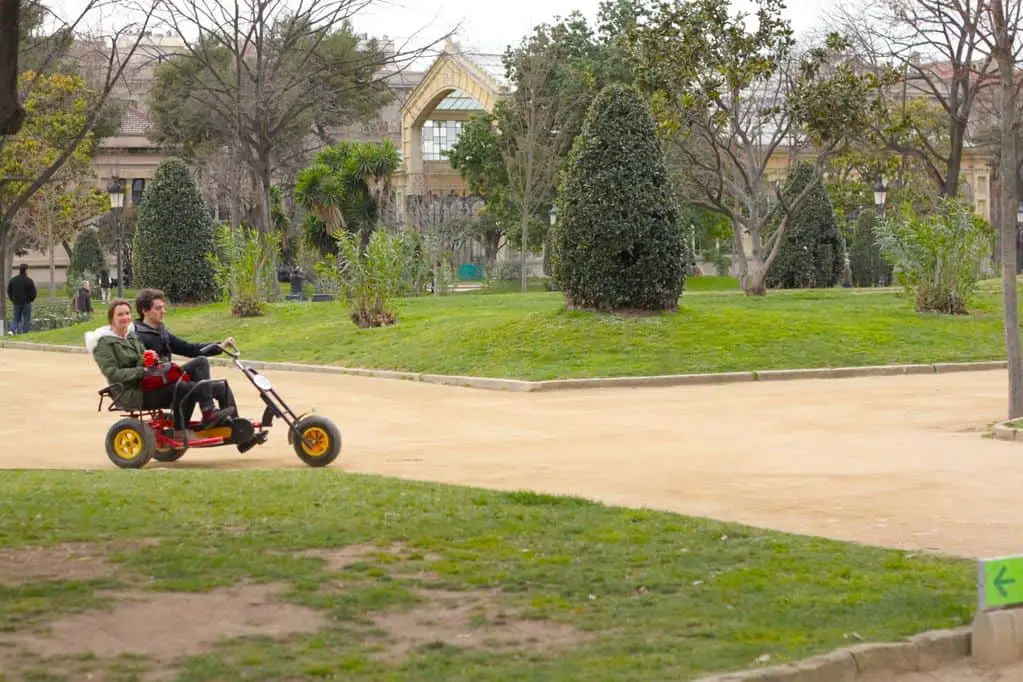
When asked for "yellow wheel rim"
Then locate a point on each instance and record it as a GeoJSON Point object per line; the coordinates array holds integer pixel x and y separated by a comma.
{"type": "Point", "coordinates": [320, 440]}
{"type": "Point", "coordinates": [128, 443]}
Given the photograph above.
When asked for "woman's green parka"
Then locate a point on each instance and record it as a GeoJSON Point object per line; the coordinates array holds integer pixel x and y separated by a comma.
{"type": "Point", "coordinates": [120, 360]}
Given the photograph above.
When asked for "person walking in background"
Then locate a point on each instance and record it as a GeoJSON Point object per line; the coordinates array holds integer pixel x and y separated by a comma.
{"type": "Point", "coordinates": [21, 290]}
{"type": "Point", "coordinates": [104, 285]}
{"type": "Point", "coordinates": [82, 302]}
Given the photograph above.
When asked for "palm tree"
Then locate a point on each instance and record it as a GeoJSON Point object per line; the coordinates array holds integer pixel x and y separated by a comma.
{"type": "Point", "coordinates": [346, 188]}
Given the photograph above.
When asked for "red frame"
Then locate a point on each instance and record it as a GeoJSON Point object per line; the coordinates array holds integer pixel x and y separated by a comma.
{"type": "Point", "coordinates": [159, 421]}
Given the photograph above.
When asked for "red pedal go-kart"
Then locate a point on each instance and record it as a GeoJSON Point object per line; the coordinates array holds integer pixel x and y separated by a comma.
{"type": "Point", "coordinates": [141, 435]}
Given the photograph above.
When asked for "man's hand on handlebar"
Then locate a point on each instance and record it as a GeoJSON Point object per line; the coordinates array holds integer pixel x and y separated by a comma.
{"type": "Point", "coordinates": [229, 346]}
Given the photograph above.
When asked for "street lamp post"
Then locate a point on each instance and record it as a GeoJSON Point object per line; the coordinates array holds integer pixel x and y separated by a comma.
{"type": "Point", "coordinates": [880, 194]}
{"type": "Point", "coordinates": [1019, 238]}
{"type": "Point", "coordinates": [116, 191]}
{"type": "Point", "coordinates": [553, 215]}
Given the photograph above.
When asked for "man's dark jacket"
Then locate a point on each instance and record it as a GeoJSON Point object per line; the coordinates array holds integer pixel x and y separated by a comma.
{"type": "Point", "coordinates": [165, 343]}
{"type": "Point", "coordinates": [21, 290]}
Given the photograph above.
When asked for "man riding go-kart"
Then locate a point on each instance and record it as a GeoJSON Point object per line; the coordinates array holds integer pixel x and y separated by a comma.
{"type": "Point", "coordinates": [121, 358]}
{"type": "Point", "coordinates": [149, 328]}
{"type": "Point", "coordinates": [156, 400]}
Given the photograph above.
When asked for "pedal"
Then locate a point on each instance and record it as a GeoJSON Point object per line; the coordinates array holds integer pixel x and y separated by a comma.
{"type": "Point", "coordinates": [258, 439]}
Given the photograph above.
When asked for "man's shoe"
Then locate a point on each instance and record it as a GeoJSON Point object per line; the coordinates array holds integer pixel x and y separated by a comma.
{"type": "Point", "coordinates": [257, 439]}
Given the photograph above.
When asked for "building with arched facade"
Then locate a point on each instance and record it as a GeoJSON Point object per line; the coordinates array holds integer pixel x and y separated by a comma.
{"type": "Point", "coordinates": [457, 84]}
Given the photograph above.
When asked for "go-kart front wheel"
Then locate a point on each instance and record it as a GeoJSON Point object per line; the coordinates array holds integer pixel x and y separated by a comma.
{"type": "Point", "coordinates": [317, 441]}
{"type": "Point", "coordinates": [130, 444]}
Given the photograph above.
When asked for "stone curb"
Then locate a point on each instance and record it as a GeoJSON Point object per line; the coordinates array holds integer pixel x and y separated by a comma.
{"type": "Point", "coordinates": [921, 653]}
{"type": "Point", "coordinates": [1005, 432]}
{"type": "Point", "coordinates": [521, 385]}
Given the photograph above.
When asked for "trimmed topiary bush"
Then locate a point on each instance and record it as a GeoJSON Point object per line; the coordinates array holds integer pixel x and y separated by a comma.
{"type": "Point", "coordinates": [618, 243]}
{"type": "Point", "coordinates": [174, 237]}
{"type": "Point", "coordinates": [811, 253]}
{"type": "Point", "coordinates": [87, 259]}
{"type": "Point", "coordinates": [869, 268]}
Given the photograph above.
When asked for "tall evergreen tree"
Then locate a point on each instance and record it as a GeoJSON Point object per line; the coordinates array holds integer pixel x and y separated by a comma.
{"type": "Point", "coordinates": [174, 236]}
{"type": "Point", "coordinates": [618, 242]}
{"type": "Point", "coordinates": [812, 251]}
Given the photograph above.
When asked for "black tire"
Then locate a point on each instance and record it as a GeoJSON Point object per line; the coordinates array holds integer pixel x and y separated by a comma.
{"type": "Point", "coordinates": [327, 439]}
{"type": "Point", "coordinates": [169, 455]}
{"type": "Point", "coordinates": [130, 443]}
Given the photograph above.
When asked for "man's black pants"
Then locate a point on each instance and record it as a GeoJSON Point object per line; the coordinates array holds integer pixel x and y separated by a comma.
{"type": "Point", "coordinates": [199, 370]}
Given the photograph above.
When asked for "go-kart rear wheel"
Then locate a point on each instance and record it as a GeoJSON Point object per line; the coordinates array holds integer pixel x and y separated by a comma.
{"type": "Point", "coordinates": [169, 455]}
{"type": "Point", "coordinates": [324, 441]}
{"type": "Point", "coordinates": [130, 443]}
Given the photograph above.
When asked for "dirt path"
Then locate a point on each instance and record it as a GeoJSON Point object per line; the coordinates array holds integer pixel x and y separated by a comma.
{"type": "Point", "coordinates": [968, 672]}
{"type": "Point", "coordinates": [888, 461]}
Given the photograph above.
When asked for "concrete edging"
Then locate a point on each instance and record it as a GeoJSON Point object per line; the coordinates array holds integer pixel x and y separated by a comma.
{"type": "Point", "coordinates": [1003, 431]}
{"type": "Point", "coordinates": [521, 385]}
{"type": "Point", "coordinates": [920, 653]}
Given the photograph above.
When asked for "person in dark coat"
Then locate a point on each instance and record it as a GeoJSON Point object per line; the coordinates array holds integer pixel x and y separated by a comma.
{"type": "Point", "coordinates": [104, 285]}
{"type": "Point", "coordinates": [151, 306]}
{"type": "Point", "coordinates": [82, 302]}
{"type": "Point", "coordinates": [21, 289]}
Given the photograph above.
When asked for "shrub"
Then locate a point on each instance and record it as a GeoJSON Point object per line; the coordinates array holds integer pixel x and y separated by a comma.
{"type": "Point", "coordinates": [812, 252]}
{"type": "Point", "coordinates": [245, 268]}
{"type": "Point", "coordinates": [618, 242]}
{"type": "Point", "coordinates": [87, 260]}
{"type": "Point", "coordinates": [174, 237]}
{"type": "Point", "coordinates": [372, 279]}
{"type": "Point", "coordinates": [869, 268]}
{"type": "Point", "coordinates": [414, 252]}
{"type": "Point", "coordinates": [937, 256]}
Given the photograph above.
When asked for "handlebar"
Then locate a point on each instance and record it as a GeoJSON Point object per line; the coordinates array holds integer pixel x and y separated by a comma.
{"type": "Point", "coordinates": [229, 348]}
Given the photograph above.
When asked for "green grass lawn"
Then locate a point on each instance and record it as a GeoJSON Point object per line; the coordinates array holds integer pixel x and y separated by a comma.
{"type": "Point", "coordinates": [532, 336]}
{"type": "Point", "coordinates": [631, 595]}
{"type": "Point", "coordinates": [712, 283]}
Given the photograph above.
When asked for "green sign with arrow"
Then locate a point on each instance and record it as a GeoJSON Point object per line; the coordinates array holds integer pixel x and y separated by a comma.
{"type": "Point", "coordinates": [1000, 582]}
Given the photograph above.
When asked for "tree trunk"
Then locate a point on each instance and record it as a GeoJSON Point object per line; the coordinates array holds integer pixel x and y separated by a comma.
{"type": "Point", "coordinates": [754, 282]}
{"type": "Point", "coordinates": [53, 267]}
{"type": "Point", "coordinates": [5, 268]}
{"type": "Point", "coordinates": [236, 195]}
{"type": "Point", "coordinates": [12, 115]}
{"type": "Point", "coordinates": [739, 255]}
{"type": "Point", "coordinates": [1009, 201]}
{"type": "Point", "coordinates": [522, 254]}
{"type": "Point", "coordinates": [955, 161]}
{"type": "Point", "coordinates": [265, 183]}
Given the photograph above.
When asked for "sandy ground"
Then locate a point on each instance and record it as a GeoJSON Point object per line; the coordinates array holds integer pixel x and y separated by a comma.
{"type": "Point", "coordinates": [894, 461]}
{"type": "Point", "coordinates": [967, 672]}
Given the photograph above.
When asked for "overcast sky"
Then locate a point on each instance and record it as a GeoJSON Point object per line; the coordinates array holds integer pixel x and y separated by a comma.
{"type": "Point", "coordinates": [491, 26]}
{"type": "Point", "coordinates": [486, 25]}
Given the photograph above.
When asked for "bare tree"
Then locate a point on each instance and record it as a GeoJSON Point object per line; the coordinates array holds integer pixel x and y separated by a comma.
{"type": "Point", "coordinates": [116, 49]}
{"type": "Point", "coordinates": [939, 49]}
{"type": "Point", "coordinates": [732, 95]}
{"type": "Point", "coordinates": [1002, 19]}
{"type": "Point", "coordinates": [265, 71]}
{"type": "Point", "coordinates": [529, 125]}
